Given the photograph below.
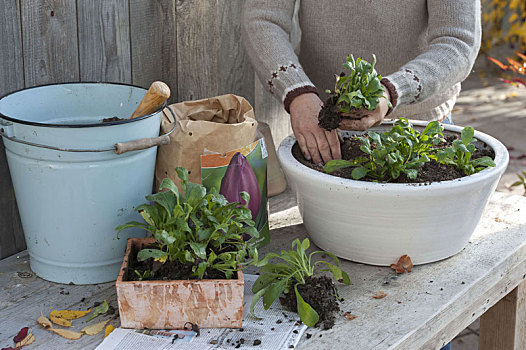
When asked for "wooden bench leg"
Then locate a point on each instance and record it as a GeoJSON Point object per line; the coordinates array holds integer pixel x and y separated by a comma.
{"type": "Point", "coordinates": [503, 327]}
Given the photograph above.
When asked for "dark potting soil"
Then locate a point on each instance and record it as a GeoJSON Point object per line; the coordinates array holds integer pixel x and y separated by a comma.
{"type": "Point", "coordinates": [320, 293]}
{"type": "Point", "coordinates": [329, 117]}
{"type": "Point", "coordinates": [112, 119]}
{"type": "Point", "coordinates": [167, 271]}
{"type": "Point", "coordinates": [431, 171]}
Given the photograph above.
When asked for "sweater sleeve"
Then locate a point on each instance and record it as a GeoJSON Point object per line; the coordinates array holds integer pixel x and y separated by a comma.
{"type": "Point", "coordinates": [454, 40]}
{"type": "Point", "coordinates": [266, 27]}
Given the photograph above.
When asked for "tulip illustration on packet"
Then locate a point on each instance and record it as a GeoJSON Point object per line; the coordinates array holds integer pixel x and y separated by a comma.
{"type": "Point", "coordinates": [241, 170]}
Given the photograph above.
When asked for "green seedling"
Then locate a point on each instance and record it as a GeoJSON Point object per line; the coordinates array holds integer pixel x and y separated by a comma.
{"type": "Point", "coordinates": [521, 182]}
{"type": "Point", "coordinates": [200, 228]}
{"type": "Point", "coordinates": [294, 268]}
{"type": "Point", "coordinates": [459, 154]}
{"type": "Point", "coordinates": [360, 88]}
{"type": "Point", "coordinates": [144, 276]}
{"type": "Point", "coordinates": [403, 149]}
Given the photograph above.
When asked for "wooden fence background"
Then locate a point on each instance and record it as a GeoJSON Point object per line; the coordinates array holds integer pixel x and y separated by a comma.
{"type": "Point", "coordinates": [192, 45]}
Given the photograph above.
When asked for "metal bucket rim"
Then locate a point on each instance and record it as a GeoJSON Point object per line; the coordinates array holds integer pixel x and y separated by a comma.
{"type": "Point", "coordinates": [50, 125]}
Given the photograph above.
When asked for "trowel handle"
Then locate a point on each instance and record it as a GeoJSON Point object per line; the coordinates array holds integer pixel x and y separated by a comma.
{"type": "Point", "coordinates": [156, 95]}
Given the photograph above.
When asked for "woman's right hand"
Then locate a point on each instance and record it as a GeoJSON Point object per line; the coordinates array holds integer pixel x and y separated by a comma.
{"type": "Point", "coordinates": [317, 144]}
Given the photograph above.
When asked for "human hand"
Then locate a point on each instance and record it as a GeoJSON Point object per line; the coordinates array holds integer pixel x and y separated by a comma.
{"type": "Point", "coordinates": [317, 144]}
{"type": "Point", "coordinates": [363, 119]}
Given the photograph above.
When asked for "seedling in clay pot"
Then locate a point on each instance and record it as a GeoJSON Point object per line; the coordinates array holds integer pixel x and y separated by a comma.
{"type": "Point", "coordinates": [360, 89]}
{"type": "Point", "coordinates": [190, 269]}
{"type": "Point", "coordinates": [296, 278]}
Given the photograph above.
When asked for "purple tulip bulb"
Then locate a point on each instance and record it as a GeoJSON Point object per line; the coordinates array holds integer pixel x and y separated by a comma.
{"type": "Point", "coordinates": [240, 177]}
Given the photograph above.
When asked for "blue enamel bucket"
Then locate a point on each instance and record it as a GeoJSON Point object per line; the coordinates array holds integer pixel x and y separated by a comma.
{"type": "Point", "coordinates": [73, 182]}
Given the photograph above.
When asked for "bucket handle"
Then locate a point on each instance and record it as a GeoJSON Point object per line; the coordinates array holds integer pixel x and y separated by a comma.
{"type": "Point", "coordinates": [119, 148]}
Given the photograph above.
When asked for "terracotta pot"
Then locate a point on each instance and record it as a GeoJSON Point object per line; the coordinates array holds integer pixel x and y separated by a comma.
{"type": "Point", "coordinates": [171, 304]}
{"type": "Point", "coordinates": [376, 223]}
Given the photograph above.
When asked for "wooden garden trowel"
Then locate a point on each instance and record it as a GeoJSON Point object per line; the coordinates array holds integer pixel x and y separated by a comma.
{"type": "Point", "coordinates": [156, 95]}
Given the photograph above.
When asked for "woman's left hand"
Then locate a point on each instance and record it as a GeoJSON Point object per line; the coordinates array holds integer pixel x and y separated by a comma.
{"type": "Point", "coordinates": [364, 119]}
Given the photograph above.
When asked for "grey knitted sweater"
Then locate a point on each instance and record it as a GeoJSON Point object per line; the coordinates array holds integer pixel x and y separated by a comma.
{"type": "Point", "coordinates": [425, 48]}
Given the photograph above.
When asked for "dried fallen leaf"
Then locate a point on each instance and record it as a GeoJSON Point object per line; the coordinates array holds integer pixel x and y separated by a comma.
{"type": "Point", "coordinates": [21, 334]}
{"type": "Point", "coordinates": [109, 329]}
{"type": "Point", "coordinates": [398, 269]}
{"type": "Point", "coordinates": [380, 295]}
{"type": "Point", "coordinates": [99, 310]}
{"type": "Point", "coordinates": [23, 338]}
{"type": "Point", "coordinates": [69, 314]}
{"type": "Point", "coordinates": [29, 339]}
{"type": "Point", "coordinates": [497, 219]}
{"type": "Point", "coordinates": [66, 333]}
{"type": "Point", "coordinates": [44, 322]}
{"type": "Point", "coordinates": [404, 262]}
{"type": "Point", "coordinates": [94, 328]}
{"type": "Point", "coordinates": [60, 321]}
{"type": "Point", "coordinates": [349, 316]}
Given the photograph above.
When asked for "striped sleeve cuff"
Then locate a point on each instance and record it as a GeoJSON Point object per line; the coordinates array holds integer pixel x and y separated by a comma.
{"type": "Point", "coordinates": [295, 92]}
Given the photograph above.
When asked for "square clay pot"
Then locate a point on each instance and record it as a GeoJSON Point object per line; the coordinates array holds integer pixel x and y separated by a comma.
{"type": "Point", "coordinates": [171, 304]}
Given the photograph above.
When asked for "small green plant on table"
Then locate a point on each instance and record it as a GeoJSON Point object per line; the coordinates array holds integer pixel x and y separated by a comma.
{"type": "Point", "coordinates": [296, 268]}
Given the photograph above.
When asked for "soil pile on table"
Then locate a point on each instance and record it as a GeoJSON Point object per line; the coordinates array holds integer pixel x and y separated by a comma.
{"type": "Point", "coordinates": [320, 293]}
{"type": "Point", "coordinates": [430, 172]}
{"type": "Point", "coordinates": [167, 271]}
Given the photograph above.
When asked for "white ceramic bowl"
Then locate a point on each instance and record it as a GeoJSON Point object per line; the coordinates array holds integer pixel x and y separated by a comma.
{"type": "Point", "coordinates": [376, 223]}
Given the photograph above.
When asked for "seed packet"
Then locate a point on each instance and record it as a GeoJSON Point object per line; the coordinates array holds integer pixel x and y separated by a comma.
{"type": "Point", "coordinates": [242, 169]}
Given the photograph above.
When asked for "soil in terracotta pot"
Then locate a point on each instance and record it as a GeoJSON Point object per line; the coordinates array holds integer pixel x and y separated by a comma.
{"type": "Point", "coordinates": [320, 293]}
{"type": "Point", "coordinates": [168, 271]}
{"type": "Point", "coordinates": [430, 172]}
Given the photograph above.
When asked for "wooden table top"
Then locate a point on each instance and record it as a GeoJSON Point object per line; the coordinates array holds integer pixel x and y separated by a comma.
{"type": "Point", "coordinates": [422, 309]}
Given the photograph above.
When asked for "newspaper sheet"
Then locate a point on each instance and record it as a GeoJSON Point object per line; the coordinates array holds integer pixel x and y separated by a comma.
{"type": "Point", "coordinates": [278, 328]}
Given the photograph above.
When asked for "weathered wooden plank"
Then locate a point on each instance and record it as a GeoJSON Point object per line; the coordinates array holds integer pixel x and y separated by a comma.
{"type": "Point", "coordinates": [269, 110]}
{"type": "Point", "coordinates": [11, 62]}
{"type": "Point", "coordinates": [503, 327]}
{"type": "Point", "coordinates": [12, 78]}
{"type": "Point", "coordinates": [50, 41]}
{"type": "Point", "coordinates": [197, 49]}
{"type": "Point", "coordinates": [422, 310]}
{"type": "Point", "coordinates": [154, 43]}
{"type": "Point", "coordinates": [23, 296]}
{"type": "Point", "coordinates": [234, 71]}
{"type": "Point", "coordinates": [104, 40]}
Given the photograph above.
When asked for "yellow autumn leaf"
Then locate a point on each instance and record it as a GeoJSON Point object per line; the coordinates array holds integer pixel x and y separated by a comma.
{"type": "Point", "coordinates": [513, 18]}
{"type": "Point", "coordinates": [70, 314]}
{"type": "Point", "coordinates": [94, 328]}
{"type": "Point", "coordinates": [60, 321]}
{"type": "Point", "coordinates": [162, 259]}
{"type": "Point", "coordinates": [30, 338]}
{"type": "Point", "coordinates": [66, 333]}
{"type": "Point", "coordinates": [44, 321]}
{"type": "Point", "coordinates": [108, 330]}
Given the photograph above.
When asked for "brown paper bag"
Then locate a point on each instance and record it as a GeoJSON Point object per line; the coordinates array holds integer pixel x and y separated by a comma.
{"type": "Point", "coordinates": [217, 124]}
